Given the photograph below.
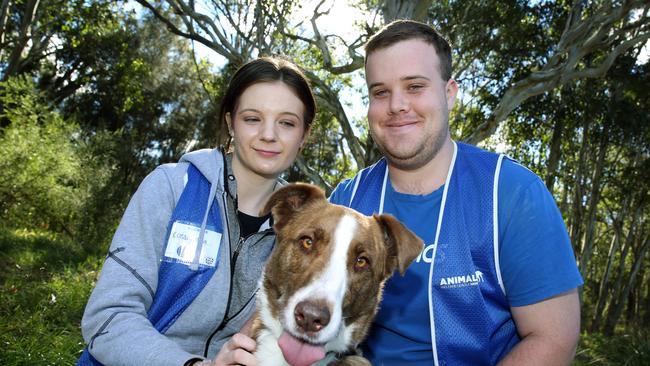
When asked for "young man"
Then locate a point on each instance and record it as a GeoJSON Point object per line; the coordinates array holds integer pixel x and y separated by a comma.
{"type": "Point", "coordinates": [496, 282]}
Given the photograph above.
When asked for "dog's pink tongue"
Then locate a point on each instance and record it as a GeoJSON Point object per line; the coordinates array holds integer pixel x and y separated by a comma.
{"type": "Point", "coordinates": [299, 353]}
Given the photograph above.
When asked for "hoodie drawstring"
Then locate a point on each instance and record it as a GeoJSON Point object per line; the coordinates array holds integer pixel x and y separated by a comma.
{"type": "Point", "coordinates": [199, 246]}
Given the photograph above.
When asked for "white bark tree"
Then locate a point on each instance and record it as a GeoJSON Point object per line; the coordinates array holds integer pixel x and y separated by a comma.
{"type": "Point", "coordinates": [594, 35]}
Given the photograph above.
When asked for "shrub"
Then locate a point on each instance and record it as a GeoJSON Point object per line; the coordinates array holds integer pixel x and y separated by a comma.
{"type": "Point", "coordinates": [40, 166]}
{"type": "Point", "coordinates": [52, 176]}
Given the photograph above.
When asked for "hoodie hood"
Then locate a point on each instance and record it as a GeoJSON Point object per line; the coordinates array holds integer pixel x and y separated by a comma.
{"type": "Point", "coordinates": [207, 161]}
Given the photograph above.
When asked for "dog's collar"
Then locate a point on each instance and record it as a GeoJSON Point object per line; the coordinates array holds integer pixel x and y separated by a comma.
{"type": "Point", "coordinates": [332, 356]}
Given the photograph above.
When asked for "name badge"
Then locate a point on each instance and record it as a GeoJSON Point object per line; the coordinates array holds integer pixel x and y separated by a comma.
{"type": "Point", "coordinates": [183, 241]}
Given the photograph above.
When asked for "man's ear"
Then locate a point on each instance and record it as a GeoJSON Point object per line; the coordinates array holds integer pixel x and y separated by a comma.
{"type": "Point", "coordinates": [290, 199]}
{"type": "Point", "coordinates": [402, 244]}
{"type": "Point", "coordinates": [451, 89]}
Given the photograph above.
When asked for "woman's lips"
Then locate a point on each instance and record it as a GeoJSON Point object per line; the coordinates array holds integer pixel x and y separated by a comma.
{"type": "Point", "coordinates": [267, 153]}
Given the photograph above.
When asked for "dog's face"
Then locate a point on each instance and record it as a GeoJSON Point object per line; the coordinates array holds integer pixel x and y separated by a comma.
{"type": "Point", "coordinates": [324, 278]}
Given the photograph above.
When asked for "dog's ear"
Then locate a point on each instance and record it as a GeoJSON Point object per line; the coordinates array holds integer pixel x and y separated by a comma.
{"type": "Point", "coordinates": [402, 244]}
{"type": "Point", "coordinates": [290, 199]}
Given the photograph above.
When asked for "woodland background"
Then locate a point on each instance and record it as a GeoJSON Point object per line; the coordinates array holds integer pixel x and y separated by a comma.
{"type": "Point", "coordinates": [95, 93]}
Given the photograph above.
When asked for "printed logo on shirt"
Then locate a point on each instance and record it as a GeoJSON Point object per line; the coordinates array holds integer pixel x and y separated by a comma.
{"type": "Point", "coordinates": [471, 279]}
{"type": "Point", "coordinates": [183, 240]}
{"type": "Point", "coordinates": [426, 255]}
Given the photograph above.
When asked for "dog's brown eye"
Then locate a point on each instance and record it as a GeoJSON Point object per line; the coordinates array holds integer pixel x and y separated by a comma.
{"type": "Point", "coordinates": [306, 243]}
{"type": "Point", "coordinates": [361, 263]}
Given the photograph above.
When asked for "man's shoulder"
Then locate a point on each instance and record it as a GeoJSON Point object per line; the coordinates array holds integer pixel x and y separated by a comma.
{"type": "Point", "coordinates": [513, 175]}
{"type": "Point", "coordinates": [343, 192]}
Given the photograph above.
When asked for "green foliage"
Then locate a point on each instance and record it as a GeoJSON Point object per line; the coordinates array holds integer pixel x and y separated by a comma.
{"type": "Point", "coordinates": [44, 285]}
{"type": "Point", "coordinates": [148, 92]}
{"type": "Point", "coordinates": [601, 181]}
{"type": "Point", "coordinates": [494, 44]}
{"type": "Point", "coordinates": [52, 178]}
{"type": "Point", "coordinates": [106, 195]}
{"type": "Point", "coordinates": [41, 168]}
{"type": "Point", "coordinates": [27, 46]}
{"type": "Point", "coordinates": [623, 349]}
{"type": "Point", "coordinates": [115, 94]}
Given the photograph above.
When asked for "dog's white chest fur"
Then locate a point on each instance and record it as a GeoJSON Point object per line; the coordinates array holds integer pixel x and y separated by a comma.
{"type": "Point", "coordinates": [268, 352]}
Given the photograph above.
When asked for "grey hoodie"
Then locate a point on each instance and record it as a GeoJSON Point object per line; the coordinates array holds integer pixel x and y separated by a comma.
{"type": "Point", "coordinates": [115, 323]}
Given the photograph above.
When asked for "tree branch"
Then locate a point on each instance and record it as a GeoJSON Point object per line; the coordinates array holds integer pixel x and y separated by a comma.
{"type": "Point", "coordinates": [313, 175]}
{"type": "Point", "coordinates": [320, 42]}
{"type": "Point", "coordinates": [15, 58]}
{"type": "Point", "coordinates": [580, 39]}
{"type": "Point", "coordinates": [4, 10]}
{"type": "Point", "coordinates": [328, 97]}
{"type": "Point", "coordinates": [225, 50]}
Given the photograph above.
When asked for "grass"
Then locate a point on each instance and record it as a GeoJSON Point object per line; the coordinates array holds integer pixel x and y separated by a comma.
{"type": "Point", "coordinates": [45, 281]}
{"type": "Point", "coordinates": [622, 349]}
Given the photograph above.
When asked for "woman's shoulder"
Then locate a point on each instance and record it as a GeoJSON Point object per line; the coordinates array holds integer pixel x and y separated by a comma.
{"type": "Point", "coordinates": [165, 180]}
{"type": "Point", "coordinates": [172, 172]}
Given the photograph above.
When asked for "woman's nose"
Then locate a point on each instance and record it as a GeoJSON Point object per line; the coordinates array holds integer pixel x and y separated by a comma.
{"type": "Point", "coordinates": [267, 130]}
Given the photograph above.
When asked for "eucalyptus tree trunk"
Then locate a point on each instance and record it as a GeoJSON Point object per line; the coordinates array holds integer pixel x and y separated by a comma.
{"type": "Point", "coordinates": [620, 269]}
{"type": "Point", "coordinates": [606, 289]}
{"type": "Point", "coordinates": [632, 307]}
{"type": "Point", "coordinates": [615, 313]}
{"type": "Point", "coordinates": [603, 289]}
{"type": "Point", "coordinates": [594, 199]}
{"type": "Point", "coordinates": [554, 155]}
{"type": "Point", "coordinates": [577, 207]}
{"type": "Point", "coordinates": [645, 320]}
{"type": "Point", "coordinates": [564, 204]}
{"type": "Point", "coordinates": [608, 293]}
{"type": "Point", "coordinates": [404, 9]}
{"type": "Point", "coordinates": [4, 12]}
{"type": "Point", "coordinates": [617, 288]}
{"type": "Point", "coordinates": [16, 57]}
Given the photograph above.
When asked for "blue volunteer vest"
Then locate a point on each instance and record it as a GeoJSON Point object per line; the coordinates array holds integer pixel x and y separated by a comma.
{"type": "Point", "coordinates": [179, 283]}
{"type": "Point", "coordinates": [469, 314]}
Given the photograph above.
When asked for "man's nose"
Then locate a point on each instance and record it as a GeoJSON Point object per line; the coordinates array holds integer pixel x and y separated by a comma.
{"type": "Point", "coordinates": [398, 103]}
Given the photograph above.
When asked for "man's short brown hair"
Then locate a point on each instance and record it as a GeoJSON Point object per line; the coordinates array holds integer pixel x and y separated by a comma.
{"type": "Point", "coordinates": [404, 30]}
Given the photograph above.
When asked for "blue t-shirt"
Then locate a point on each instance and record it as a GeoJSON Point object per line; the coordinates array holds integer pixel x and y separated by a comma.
{"type": "Point", "coordinates": [536, 261]}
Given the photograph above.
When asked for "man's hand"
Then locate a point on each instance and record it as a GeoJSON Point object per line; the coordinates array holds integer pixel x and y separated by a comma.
{"type": "Point", "coordinates": [237, 351]}
{"type": "Point", "coordinates": [549, 331]}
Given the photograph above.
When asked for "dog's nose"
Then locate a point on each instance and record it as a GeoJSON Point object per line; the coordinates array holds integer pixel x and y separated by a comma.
{"type": "Point", "coordinates": [312, 316]}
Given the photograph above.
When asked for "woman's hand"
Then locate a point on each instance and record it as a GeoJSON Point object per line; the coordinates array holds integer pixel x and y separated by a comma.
{"type": "Point", "coordinates": [237, 351]}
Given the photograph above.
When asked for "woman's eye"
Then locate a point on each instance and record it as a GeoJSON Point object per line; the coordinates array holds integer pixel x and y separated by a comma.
{"type": "Point", "coordinates": [251, 119]}
{"type": "Point", "coordinates": [288, 123]}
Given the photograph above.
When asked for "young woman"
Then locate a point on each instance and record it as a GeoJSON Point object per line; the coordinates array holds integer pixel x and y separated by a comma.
{"type": "Point", "coordinates": [181, 273]}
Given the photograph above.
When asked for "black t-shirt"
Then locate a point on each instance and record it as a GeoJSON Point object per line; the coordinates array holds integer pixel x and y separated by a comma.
{"type": "Point", "coordinates": [250, 224]}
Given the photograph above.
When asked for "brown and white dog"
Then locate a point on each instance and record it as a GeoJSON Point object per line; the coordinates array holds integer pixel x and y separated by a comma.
{"type": "Point", "coordinates": [323, 281]}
